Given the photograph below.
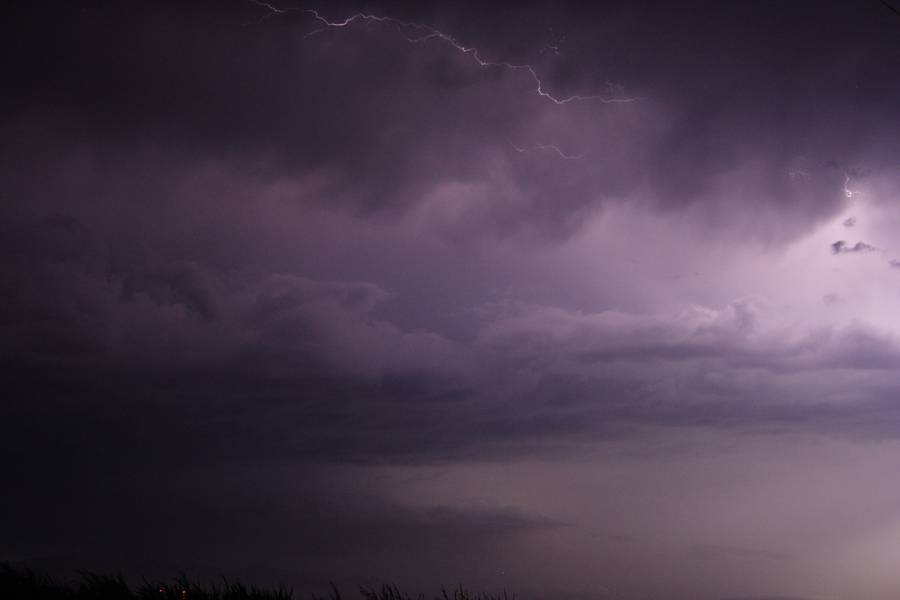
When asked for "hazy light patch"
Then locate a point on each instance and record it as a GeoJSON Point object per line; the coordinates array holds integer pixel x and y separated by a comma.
{"type": "Point", "coordinates": [776, 516]}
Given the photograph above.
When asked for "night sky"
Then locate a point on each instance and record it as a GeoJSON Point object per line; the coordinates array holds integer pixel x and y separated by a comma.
{"type": "Point", "coordinates": [586, 301]}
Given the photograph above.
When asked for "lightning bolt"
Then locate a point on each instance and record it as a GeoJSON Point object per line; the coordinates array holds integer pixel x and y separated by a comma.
{"type": "Point", "coordinates": [556, 150]}
{"type": "Point", "coordinates": [417, 33]}
{"type": "Point", "coordinates": [551, 148]}
{"type": "Point", "coordinates": [272, 11]}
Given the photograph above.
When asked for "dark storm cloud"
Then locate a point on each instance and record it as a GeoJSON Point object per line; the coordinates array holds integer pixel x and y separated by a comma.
{"type": "Point", "coordinates": [842, 247]}
{"type": "Point", "coordinates": [432, 115]}
{"type": "Point", "coordinates": [303, 369]}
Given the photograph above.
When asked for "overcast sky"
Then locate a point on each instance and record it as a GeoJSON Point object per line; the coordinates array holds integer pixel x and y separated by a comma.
{"type": "Point", "coordinates": [587, 302]}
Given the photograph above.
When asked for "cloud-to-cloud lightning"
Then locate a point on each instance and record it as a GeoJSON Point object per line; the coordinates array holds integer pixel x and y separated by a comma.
{"type": "Point", "coordinates": [416, 33]}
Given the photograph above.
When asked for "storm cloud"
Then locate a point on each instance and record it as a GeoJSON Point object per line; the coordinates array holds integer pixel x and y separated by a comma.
{"type": "Point", "coordinates": [543, 297]}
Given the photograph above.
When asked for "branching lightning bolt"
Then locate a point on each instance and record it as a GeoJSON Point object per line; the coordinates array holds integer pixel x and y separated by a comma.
{"type": "Point", "coordinates": [416, 33]}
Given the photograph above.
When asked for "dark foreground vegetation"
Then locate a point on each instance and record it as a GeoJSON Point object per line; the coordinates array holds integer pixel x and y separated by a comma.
{"type": "Point", "coordinates": [25, 584]}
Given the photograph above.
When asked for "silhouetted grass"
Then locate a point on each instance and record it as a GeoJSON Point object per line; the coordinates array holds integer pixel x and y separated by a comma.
{"type": "Point", "coordinates": [25, 584]}
{"type": "Point", "coordinates": [392, 592]}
